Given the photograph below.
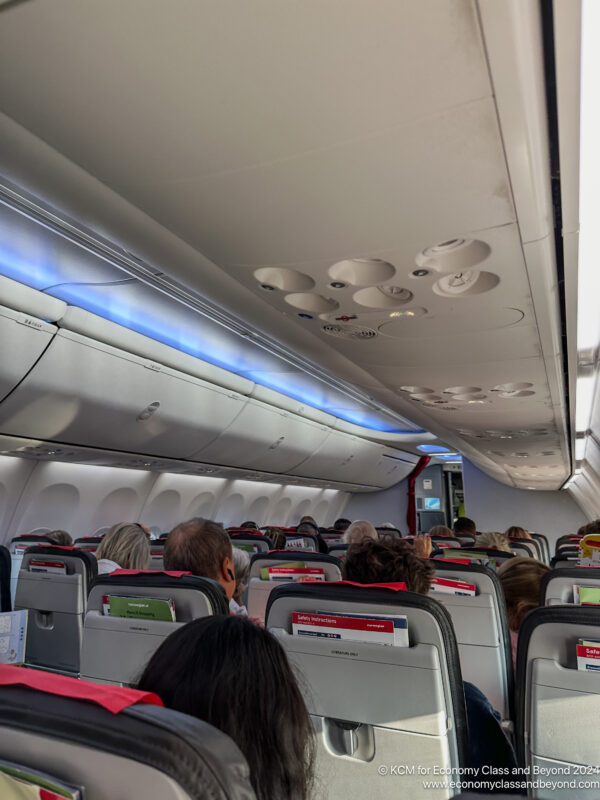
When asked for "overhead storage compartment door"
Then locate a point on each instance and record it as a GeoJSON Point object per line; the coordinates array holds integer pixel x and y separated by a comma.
{"type": "Point", "coordinates": [24, 338]}
{"type": "Point", "coordinates": [87, 393]}
{"type": "Point", "coordinates": [265, 438]}
{"type": "Point", "coordinates": [347, 458]}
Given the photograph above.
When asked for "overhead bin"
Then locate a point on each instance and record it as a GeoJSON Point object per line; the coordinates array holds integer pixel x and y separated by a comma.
{"type": "Point", "coordinates": [24, 338]}
{"type": "Point", "coordinates": [359, 461]}
{"type": "Point", "coordinates": [262, 437]}
{"type": "Point", "coordinates": [88, 393]}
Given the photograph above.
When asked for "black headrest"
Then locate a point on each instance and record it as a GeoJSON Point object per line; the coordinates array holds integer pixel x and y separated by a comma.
{"type": "Point", "coordinates": [5, 564]}
{"type": "Point", "coordinates": [295, 555]}
{"type": "Point", "coordinates": [249, 536]}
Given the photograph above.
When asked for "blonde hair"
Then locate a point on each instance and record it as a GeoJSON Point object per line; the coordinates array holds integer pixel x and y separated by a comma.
{"type": "Point", "coordinates": [515, 532]}
{"type": "Point", "coordinates": [359, 531]}
{"type": "Point", "coordinates": [521, 579]}
{"type": "Point", "coordinates": [496, 540]}
{"type": "Point", "coordinates": [441, 530]}
{"type": "Point", "coordinates": [127, 545]}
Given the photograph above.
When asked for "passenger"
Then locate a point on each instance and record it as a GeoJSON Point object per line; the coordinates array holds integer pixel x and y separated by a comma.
{"type": "Point", "coordinates": [202, 547]}
{"type": "Point", "coordinates": [313, 529]}
{"type": "Point", "coordinates": [392, 562]}
{"type": "Point", "coordinates": [358, 531]}
{"type": "Point", "coordinates": [423, 545]}
{"type": "Point", "coordinates": [249, 524]}
{"type": "Point", "coordinates": [515, 532]}
{"type": "Point", "coordinates": [341, 524]}
{"type": "Point", "coordinates": [277, 536]}
{"type": "Point", "coordinates": [310, 520]}
{"type": "Point", "coordinates": [521, 580]}
{"type": "Point", "coordinates": [497, 541]}
{"type": "Point", "coordinates": [62, 538]}
{"type": "Point", "coordinates": [465, 525]}
{"type": "Point", "coordinates": [236, 676]}
{"type": "Point", "coordinates": [441, 530]}
{"type": "Point", "coordinates": [124, 546]}
{"type": "Point", "coordinates": [241, 564]}
{"type": "Point", "coordinates": [589, 527]}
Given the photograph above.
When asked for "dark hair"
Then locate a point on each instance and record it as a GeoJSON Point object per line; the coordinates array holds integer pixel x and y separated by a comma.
{"type": "Point", "coordinates": [341, 524]}
{"type": "Point", "coordinates": [589, 527]}
{"type": "Point", "coordinates": [387, 562]}
{"type": "Point", "coordinates": [277, 537]}
{"type": "Point", "coordinates": [60, 537]}
{"type": "Point", "coordinates": [249, 524]}
{"type": "Point", "coordinates": [199, 546]}
{"type": "Point", "coordinates": [465, 525]}
{"type": "Point", "coordinates": [308, 527]}
{"type": "Point", "coordinates": [236, 676]}
{"type": "Point", "coordinates": [516, 532]}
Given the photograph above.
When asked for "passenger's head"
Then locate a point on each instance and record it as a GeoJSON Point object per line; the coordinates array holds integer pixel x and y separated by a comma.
{"type": "Point", "coordinates": [277, 536]}
{"type": "Point", "coordinates": [241, 570]}
{"type": "Point", "coordinates": [311, 520]}
{"type": "Point", "coordinates": [440, 530]}
{"type": "Point", "coordinates": [236, 676]}
{"type": "Point", "coordinates": [497, 541]}
{"type": "Point", "coordinates": [521, 579]}
{"type": "Point", "coordinates": [308, 527]}
{"type": "Point", "coordinates": [388, 562]}
{"type": "Point", "coordinates": [465, 525]}
{"type": "Point", "coordinates": [127, 545]}
{"type": "Point", "coordinates": [249, 524]}
{"type": "Point", "coordinates": [359, 531]}
{"type": "Point", "coordinates": [589, 527]}
{"type": "Point", "coordinates": [341, 524]}
{"type": "Point", "coordinates": [61, 538]}
{"type": "Point", "coordinates": [202, 547]}
{"type": "Point", "coordinates": [515, 532]}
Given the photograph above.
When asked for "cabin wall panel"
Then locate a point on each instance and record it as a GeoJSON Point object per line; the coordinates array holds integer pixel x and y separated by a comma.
{"type": "Point", "coordinates": [494, 506]}
{"type": "Point", "coordinates": [14, 475]}
{"type": "Point", "coordinates": [389, 505]}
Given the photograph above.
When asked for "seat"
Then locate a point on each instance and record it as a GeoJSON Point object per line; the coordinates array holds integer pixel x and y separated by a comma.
{"type": "Point", "coordinates": [543, 545]}
{"type": "Point", "coordinates": [371, 704]}
{"type": "Point", "coordinates": [485, 555]}
{"type": "Point", "coordinates": [567, 556]}
{"type": "Point", "coordinates": [446, 541]}
{"type": "Point", "coordinates": [557, 585]}
{"type": "Point", "coordinates": [557, 704]}
{"type": "Point", "coordinates": [570, 539]}
{"type": "Point", "coordinates": [114, 743]}
{"type": "Point", "coordinates": [56, 604]}
{"type": "Point", "coordinates": [482, 632]}
{"type": "Point", "coordinates": [522, 547]}
{"type": "Point", "coordinates": [157, 549]}
{"type": "Point", "coordinates": [338, 550]}
{"type": "Point", "coordinates": [300, 541]}
{"type": "Point", "coordinates": [116, 649]}
{"type": "Point", "coordinates": [5, 598]}
{"type": "Point", "coordinates": [332, 536]}
{"type": "Point", "coordinates": [251, 542]}
{"type": "Point", "coordinates": [465, 539]}
{"type": "Point", "coordinates": [388, 533]}
{"type": "Point", "coordinates": [17, 547]}
{"type": "Point", "coordinates": [89, 543]}
{"type": "Point", "coordinates": [259, 590]}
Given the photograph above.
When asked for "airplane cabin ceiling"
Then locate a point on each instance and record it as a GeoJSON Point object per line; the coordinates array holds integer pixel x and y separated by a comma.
{"type": "Point", "coordinates": [319, 154]}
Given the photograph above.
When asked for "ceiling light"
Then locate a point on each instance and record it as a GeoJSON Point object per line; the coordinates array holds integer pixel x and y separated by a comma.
{"type": "Point", "coordinates": [584, 400]}
{"type": "Point", "coordinates": [433, 448]}
{"type": "Point", "coordinates": [402, 314]}
{"type": "Point", "coordinates": [588, 322]}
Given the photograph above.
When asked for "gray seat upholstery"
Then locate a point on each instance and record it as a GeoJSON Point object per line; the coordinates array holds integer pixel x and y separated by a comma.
{"type": "Point", "coordinates": [89, 543]}
{"type": "Point", "coordinates": [259, 590]}
{"type": "Point", "coordinates": [258, 543]}
{"type": "Point", "coordinates": [485, 555]}
{"type": "Point", "coordinates": [17, 548]}
{"type": "Point", "coordinates": [371, 704]}
{"type": "Point", "coordinates": [116, 649]}
{"type": "Point", "coordinates": [156, 555]}
{"type": "Point", "coordinates": [140, 753]}
{"type": "Point", "coordinates": [522, 547]}
{"type": "Point", "coordinates": [557, 704]}
{"type": "Point", "coordinates": [557, 584]}
{"type": "Point", "coordinates": [482, 632]}
{"type": "Point", "coordinates": [543, 545]}
{"type": "Point", "coordinates": [56, 605]}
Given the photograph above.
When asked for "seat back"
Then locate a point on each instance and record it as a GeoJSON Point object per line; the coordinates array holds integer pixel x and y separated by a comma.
{"type": "Point", "coordinates": [465, 539]}
{"type": "Point", "coordinates": [522, 547]}
{"type": "Point", "coordinates": [300, 541]}
{"type": "Point", "coordinates": [543, 545]}
{"type": "Point", "coordinates": [251, 542]}
{"type": "Point", "coordinates": [259, 590]}
{"type": "Point", "coordinates": [388, 533]}
{"type": "Point", "coordinates": [557, 584]}
{"type": "Point", "coordinates": [338, 550]}
{"type": "Point", "coordinates": [557, 703]}
{"type": "Point", "coordinates": [53, 585]}
{"type": "Point", "coordinates": [482, 632]}
{"type": "Point", "coordinates": [484, 555]}
{"type": "Point", "coordinates": [566, 557]}
{"type": "Point", "coordinates": [116, 649]}
{"type": "Point", "coordinates": [5, 597]}
{"type": "Point", "coordinates": [569, 539]}
{"type": "Point", "coordinates": [112, 742]}
{"type": "Point", "coordinates": [89, 543]}
{"type": "Point", "coordinates": [332, 537]}
{"type": "Point", "coordinates": [368, 702]}
{"type": "Point", "coordinates": [17, 547]}
{"type": "Point", "coordinates": [157, 549]}
{"type": "Point", "coordinates": [446, 541]}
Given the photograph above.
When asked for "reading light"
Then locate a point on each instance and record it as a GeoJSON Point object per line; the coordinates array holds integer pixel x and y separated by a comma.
{"type": "Point", "coordinates": [588, 321]}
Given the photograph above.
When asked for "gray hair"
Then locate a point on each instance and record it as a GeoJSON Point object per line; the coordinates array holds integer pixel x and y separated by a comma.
{"type": "Point", "coordinates": [359, 531]}
{"type": "Point", "coordinates": [127, 545]}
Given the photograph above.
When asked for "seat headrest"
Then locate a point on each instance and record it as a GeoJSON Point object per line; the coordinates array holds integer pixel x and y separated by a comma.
{"type": "Point", "coordinates": [112, 698]}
